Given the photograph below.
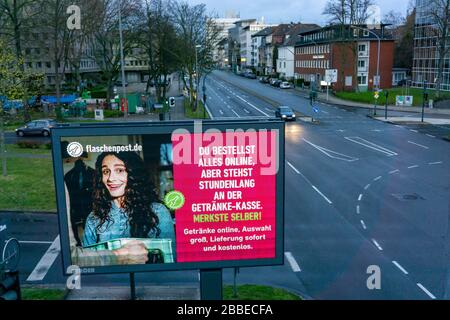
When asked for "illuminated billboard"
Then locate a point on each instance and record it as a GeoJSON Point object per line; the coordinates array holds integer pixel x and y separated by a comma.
{"type": "Point", "coordinates": [170, 196]}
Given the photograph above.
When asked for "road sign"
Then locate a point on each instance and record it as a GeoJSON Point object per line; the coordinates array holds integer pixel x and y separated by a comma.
{"type": "Point", "coordinates": [331, 75]}
{"type": "Point", "coordinates": [172, 102]}
{"type": "Point", "coordinates": [376, 80]}
{"type": "Point", "coordinates": [316, 110]}
{"type": "Point", "coordinates": [376, 95]}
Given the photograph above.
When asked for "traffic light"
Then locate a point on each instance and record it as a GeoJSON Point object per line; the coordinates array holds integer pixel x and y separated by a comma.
{"type": "Point", "coordinates": [10, 286]}
{"type": "Point", "coordinates": [172, 102]}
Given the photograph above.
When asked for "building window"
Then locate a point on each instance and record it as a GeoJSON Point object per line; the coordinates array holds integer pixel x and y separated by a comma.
{"type": "Point", "coordinates": [366, 33]}
{"type": "Point", "coordinates": [48, 65]}
{"type": "Point", "coordinates": [362, 80]}
{"type": "Point", "coordinates": [362, 48]}
{"type": "Point", "coordinates": [38, 65]}
{"type": "Point", "coordinates": [361, 63]}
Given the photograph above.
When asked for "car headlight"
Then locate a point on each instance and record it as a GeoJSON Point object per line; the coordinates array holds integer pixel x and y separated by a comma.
{"type": "Point", "coordinates": [283, 116]}
{"type": "Point", "coordinates": [293, 116]}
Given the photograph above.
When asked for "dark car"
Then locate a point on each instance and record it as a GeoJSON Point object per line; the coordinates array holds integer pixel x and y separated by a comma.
{"type": "Point", "coordinates": [276, 83]}
{"type": "Point", "coordinates": [264, 80]}
{"type": "Point", "coordinates": [250, 75]}
{"type": "Point", "coordinates": [37, 127]}
{"type": "Point", "coordinates": [285, 113]}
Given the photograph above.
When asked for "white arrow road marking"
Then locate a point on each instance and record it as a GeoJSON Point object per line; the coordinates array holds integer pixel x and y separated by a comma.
{"type": "Point", "coordinates": [332, 154]}
{"type": "Point", "coordinates": [371, 145]}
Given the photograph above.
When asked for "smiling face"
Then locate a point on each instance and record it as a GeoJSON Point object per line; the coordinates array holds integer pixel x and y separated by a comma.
{"type": "Point", "coordinates": [114, 176]}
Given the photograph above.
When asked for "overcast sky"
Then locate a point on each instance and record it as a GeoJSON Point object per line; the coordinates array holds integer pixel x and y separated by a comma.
{"type": "Point", "coordinates": [285, 11]}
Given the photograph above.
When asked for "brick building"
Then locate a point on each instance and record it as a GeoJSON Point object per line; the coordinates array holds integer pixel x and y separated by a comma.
{"type": "Point", "coordinates": [352, 50]}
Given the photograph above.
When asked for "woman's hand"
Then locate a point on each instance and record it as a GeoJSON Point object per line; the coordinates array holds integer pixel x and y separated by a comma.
{"type": "Point", "coordinates": [134, 252]}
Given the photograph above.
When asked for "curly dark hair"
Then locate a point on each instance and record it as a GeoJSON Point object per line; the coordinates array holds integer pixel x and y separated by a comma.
{"type": "Point", "coordinates": [138, 198]}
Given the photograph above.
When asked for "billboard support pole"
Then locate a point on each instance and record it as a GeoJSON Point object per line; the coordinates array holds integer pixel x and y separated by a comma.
{"type": "Point", "coordinates": [211, 284]}
{"type": "Point", "coordinates": [132, 287]}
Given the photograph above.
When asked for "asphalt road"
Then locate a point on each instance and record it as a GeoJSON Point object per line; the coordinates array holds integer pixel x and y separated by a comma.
{"type": "Point", "coordinates": [359, 193]}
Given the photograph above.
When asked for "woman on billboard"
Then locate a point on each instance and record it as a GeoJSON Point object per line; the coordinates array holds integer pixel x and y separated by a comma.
{"type": "Point", "coordinates": [125, 204]}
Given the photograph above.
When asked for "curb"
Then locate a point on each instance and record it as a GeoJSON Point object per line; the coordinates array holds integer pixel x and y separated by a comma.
{"type": "Point", "coordinates": [15, 211]}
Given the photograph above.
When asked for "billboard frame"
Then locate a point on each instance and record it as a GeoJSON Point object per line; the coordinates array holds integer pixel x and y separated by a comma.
{"type": "Point", "coordinates": [166, 127]}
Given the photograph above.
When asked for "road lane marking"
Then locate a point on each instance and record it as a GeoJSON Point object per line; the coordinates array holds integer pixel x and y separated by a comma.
{"type": "Point", "coordinates": [394, 171]}
{"type": "Point", "coordinates": [371, 145]}
{"type": "Point", "coordinates": [430, 135]}
{"type": "Point", "coordinates": [221, 112]}
{"type": "Point", "coordinates": [251, 105]}
{"type": "Point", "coordinates": [235, 113]}
{"type": "Point", "coordinates": [246, 111]}
{"type": "Point", "coordinates": [377, 178]}
{"type": "Point", "coordinates": [331, 154]}
{"type": "Point", "coordinates": [325, 112]}
{"type": "Point", "coordinates": [358, 209]}
{"type": "Point", "coordinates": [367, 187]}
{"type": "Point", "coordinates": [36, 242]}
{"type": "Point", "coordinates": [339, 117]}
{"type": "Point", "coordinates": [46, 261]}
{"type": "Point", "coordinates": [413, 130]}
{"type": "Point", "coordinates": [310, 183]}
{"type": "Point", "coordinates": [293, 168]}
{"type": "Point", "coordinates": [414, 166]}
{"type": "Point", "coordinates": [419, 145]}
{"type": "Point", "coordinates": [426, 291]}
{"type": "Point", "coordinates": [377, 245]}
{"type": "Point", "coordinates": [400, 267]}
{"type": "Point", "coordinates": [323, 196]}
{"type": "Point", "coordinates": [360, 197]}
{"type": "Point", "coordinates": [209, 112]}
{"type": "Point", "coordinates": [363, 225]}
{"type": "Point", "coordinates": [433, 163]}
{"type": "Point", "coordinates": [294, 265]}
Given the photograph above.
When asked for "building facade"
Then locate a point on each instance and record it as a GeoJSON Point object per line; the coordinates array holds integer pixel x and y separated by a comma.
{"type": "Point", "coordinates": [426, 56]}
{"type": "Point", "coordinates": [352, 50]}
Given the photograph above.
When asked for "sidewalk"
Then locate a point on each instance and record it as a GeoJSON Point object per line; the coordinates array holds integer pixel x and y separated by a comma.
{"type": "Point", "coordinates": [322, 97]}
{"type": "Point", "coordinates": [413, 120]}
{"type": "Point", "coordinates": [142, 293]}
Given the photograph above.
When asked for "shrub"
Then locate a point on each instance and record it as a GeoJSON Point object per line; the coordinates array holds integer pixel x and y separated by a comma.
{"type": "Point", "coordinates": [28, 145]}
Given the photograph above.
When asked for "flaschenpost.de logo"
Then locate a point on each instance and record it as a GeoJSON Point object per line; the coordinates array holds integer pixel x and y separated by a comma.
{"type": "Point", "coordinates": [75, 149]}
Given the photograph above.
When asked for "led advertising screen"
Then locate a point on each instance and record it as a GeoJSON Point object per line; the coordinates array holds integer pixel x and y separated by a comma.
{"type": "Point", "coordinates": [170, 196]}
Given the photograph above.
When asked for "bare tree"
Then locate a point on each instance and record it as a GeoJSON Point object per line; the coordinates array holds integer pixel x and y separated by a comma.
{"type": "Point", "coordinates": [197, 34]}
{"type": "Point", "coordinates": [159, 39]}
{"type": "Point", "coordinates": [346, 13]}
{"type": "Point", "coordinates": [438, 12]}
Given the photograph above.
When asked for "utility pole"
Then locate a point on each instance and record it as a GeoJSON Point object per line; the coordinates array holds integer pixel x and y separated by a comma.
{"type": "Point", "coordinates": [425, 98]}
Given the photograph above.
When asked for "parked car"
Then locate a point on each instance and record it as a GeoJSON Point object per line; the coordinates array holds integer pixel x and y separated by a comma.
{"type": "Point", "coordinates": [285, 85]}
{"type": "Point", "coordinates": [285, 113]}
{"type": "Point", "coordinates": [250, 75]}
{"type": "Point", "coordinates": [37, 127]}
{"type": "Point", "coordinates": [264, 79]}
{"type": "Point", "coordinates": [276, 83]}
{"type": "Point", "coordinates": [119, 83]}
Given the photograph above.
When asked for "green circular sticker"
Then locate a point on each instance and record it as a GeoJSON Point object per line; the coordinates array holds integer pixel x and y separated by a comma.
{"type": "Point", "coordinates": [174, 200]}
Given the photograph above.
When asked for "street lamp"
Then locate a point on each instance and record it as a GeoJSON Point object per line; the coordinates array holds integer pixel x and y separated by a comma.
{"type": "Point", "coordinates": [122, 62]}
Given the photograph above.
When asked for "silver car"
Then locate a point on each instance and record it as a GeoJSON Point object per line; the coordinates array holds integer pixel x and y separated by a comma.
{"type": "Point", "coordinates": [37, 127]}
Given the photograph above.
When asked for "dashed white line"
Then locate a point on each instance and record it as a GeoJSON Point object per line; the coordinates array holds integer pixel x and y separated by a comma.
{"type": "Point", "coordinates": [358, 209]}
{"type": "Point", "coordinates": [398, 126]}
{"type": "Point", "coordinates": [235, 113]}
{"type": "Point", "coordinates": [307, 180]}
{"type": "Point", "coordinates": [246, 111]}
{"type": "Point", "coordinates": [367, 187]}
{"type": "Point", "coordinates": [430, 135]}
{"type": "Point", "coordinates": [434, 163]}
{"type": "Point", "coordinates": [360, 197]}
{"type": "Point", "coordinates": [377, 245]}
{"type": "Point", "coordinates": [363, 225]}
{"type": "Point", "coordinates": [426, 291]}
{"type": "Point", "coordinates": [377, 178]}
{"type": "Point", "coordinates": [221, 112]}
{"type": "Point", "coordinates": [413, 130]}
{"type": "Point", "coordinates": [419, 145]}
{"type": "Point", "coordinates": [394, 171]}
{"type": "Point", "coordinates": [400, 267]}
{"type": "Point", "coordinates": [323, 196]}
{"type": "Point", "coordinates": [414, 166]}
{"type": "Point", "coordinates": [46, 261]}
{"type": "Point", "coordinates": [293, 168]}
{"type": "Point", "coordinates": [294, 265]}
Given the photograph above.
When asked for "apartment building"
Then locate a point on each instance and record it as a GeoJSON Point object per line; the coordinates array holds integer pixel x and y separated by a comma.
{"type": "Point", "coordinates": [352, 50]}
